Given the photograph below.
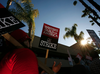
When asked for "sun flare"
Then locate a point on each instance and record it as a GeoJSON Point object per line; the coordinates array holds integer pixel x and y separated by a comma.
{"type": "Point", "coordinates": [83, 42]}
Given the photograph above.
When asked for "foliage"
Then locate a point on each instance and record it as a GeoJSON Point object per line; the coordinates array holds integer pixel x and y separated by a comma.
{"type": "Point", "coordinates": [88, 11]}
{"type": "Point", "coordinates": [74, 3]}
{"type": "Point", "coordinates": [72, 33]}
{"type": "Point", "coordinates": [98, 51]}
{"type": "Point", "coordinates": [23, 10]}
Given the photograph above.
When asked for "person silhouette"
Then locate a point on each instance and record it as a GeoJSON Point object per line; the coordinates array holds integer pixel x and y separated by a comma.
{"type": "Point", "coordinates": [95, 64]}
{"type": "Point", "coordinates": [78, 68]}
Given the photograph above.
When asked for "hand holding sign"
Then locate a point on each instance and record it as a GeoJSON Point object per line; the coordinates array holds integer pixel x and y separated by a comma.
{"type": "Point", "coordinates": [56, 68]}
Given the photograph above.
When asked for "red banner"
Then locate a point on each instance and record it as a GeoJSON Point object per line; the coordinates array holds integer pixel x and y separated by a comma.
{"type": "Point", "coordinates": [50, 31]}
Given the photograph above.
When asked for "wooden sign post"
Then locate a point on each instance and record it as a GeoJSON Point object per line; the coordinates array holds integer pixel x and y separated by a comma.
{"type": "Point", "coordinates": [47, 52]}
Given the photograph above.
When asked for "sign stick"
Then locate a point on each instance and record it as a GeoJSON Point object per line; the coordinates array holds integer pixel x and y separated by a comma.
{"type": "Point", "coordinates": [12, 40]}
{"type": "Point", "coordinates": [46, 56]}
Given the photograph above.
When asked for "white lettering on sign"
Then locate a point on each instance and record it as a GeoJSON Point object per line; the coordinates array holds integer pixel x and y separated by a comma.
{"type": "Point", "coordinates": [51, 31]}
{"type": "Point", "coordinates": [48, 44]}
{"type": "Point", "coordinates": [8, 21]}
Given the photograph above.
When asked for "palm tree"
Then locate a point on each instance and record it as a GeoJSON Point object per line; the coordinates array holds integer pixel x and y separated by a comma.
{"type": "Point", "coordinates": [24, 12]}
{"type": "Point", "coordinates": [72, 33]}
{"type": "Point", "coordinates": [9, 2]}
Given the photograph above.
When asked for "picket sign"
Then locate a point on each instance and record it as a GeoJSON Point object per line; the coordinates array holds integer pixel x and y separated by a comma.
{"type": "Point", "coordinates": [70, 58]}
{"type": "Point", "coordinates": [49, 38]}
{"type": "Point", "coordinates": [88, 57]}
{"type": "Point", "coordinates": [79, 56]}
{"type": "Point", "coordinates": [8, 22]}
{"type": "Point", "coordinates": [17, 44]}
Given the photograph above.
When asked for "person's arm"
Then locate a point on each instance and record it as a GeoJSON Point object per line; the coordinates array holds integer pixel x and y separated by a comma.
{"type": "Point", "coordinates": [25, 63]}
{"type": "Point", "coordinates": [54, 68]}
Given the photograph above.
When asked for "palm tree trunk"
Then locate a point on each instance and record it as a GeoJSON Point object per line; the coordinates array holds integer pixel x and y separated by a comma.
{"type": "Point", "coordinates": [95, 4]}
{"type": "Point", "coordinates": [9, 2]}
{"type": "Point", "coordinates": [30, 28]}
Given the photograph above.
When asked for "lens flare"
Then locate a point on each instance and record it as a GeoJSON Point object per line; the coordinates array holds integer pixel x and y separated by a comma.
{"type": "Point", "coordinates": [83, 42]}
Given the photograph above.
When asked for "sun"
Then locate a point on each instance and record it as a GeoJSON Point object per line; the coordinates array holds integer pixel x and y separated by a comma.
{"type": "Point", "coordinates": [83, 42]}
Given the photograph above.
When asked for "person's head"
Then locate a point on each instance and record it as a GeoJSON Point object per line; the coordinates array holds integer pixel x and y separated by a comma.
{"type": "Point", "coordinates": [76, 60]}
{"type": "Point", "coordinates": [94, 54]}
{"type": "Point", "coordinates": [21, 37]}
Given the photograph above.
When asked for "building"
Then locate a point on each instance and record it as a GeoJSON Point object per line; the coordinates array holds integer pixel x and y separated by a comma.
{"type": "Point", "coordinates": [61, 55]}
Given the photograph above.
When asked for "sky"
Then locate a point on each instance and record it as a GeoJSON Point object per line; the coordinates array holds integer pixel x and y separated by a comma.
{"type": "Point", "coordinates": [61, 14]}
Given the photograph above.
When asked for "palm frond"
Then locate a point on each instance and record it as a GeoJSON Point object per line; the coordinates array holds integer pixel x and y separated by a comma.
{"type": "Point", "coordinates": [91, 20]}
{"type": "Point", "coordinates": [34, 13]}
{"type": "Point", "coordinates": [24, 1]}
{"type": "Point", "coordinates": [18, 7]}
{"type": "Point", "coordinates": [67, 34]}
{"type": "Point", "coordinates": [83, 15]}
{"type": "Point", "coordinates": [73, 30]}
{"type": "Point", "coordinates": [75, 25]}
{"type": "Point", "coordinates": [92, 24]}
{"type": "Point", "coordinates": [81, 34]}
{"type": "Point", "coordinates": [64, 37]}
{"type": "Point", "coordinates": [67, 29]}
{"type": "Point", "coordinates": [74, 3]}
{"type": "Point", "coordinates": [28, 7]}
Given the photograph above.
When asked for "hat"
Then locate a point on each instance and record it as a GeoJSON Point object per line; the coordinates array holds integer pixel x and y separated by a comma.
{"type": "Point", "coordinates": [20, 35]}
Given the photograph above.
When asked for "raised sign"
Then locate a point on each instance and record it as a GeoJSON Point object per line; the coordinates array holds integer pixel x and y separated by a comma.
{"type": "Point", "coordinates": [49, 37]}
{"type": "Point", "coordinates": [8, 22]}
{"type": "Point", "coordinates": [88, 57]}
{"type": "Point", "coordinates": [79, 56]}
{"type": "Point", "coordinates": [94, 37]}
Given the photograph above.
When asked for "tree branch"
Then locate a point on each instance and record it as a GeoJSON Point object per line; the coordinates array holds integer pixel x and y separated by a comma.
{"type": "Point", "coordinates": [95, 4]}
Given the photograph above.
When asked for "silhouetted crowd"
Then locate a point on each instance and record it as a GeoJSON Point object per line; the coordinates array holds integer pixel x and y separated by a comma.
{"type": "Point", "coordinates": [90, 67]}
{"type": "Point", "coordinates": [16, 60]}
